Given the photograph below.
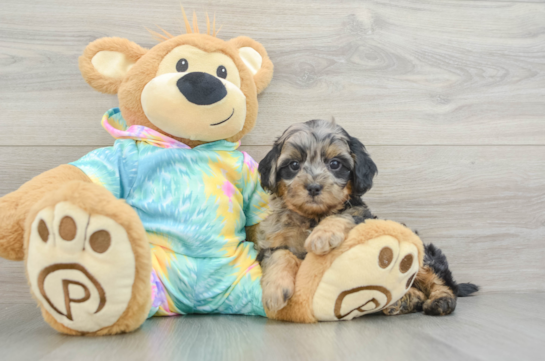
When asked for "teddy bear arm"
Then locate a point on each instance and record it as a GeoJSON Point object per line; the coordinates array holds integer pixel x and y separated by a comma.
{"type": "Point", "coordinates": [15, 206]}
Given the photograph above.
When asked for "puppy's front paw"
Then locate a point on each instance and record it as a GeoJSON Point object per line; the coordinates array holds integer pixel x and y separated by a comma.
{"type": "Point", "coordinates": [323, 240]}
{"type": "Point", "coordinates": [277, 294]}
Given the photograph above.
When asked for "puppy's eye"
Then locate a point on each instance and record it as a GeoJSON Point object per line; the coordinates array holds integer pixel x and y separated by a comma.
{"type": "Point", "coordinates": [295, 166]}
{"type": "Point", "coordinates": [221, 72]}
{"type": "Point", "coordinates": [335, 164]}
{"type": "Point", "coordinates": [182, 65]}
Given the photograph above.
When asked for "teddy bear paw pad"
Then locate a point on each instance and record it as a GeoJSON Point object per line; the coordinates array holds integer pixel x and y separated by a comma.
{"type": "Point", "coordinates": [366, 278]}
{"type": "Point", "coordinates": [81, 267]}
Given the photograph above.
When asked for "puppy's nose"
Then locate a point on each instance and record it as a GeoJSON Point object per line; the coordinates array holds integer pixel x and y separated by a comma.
{"type": "Point", "coordinates": [314, 189]}
{"type": "Point", "coordinates": [201, 88]}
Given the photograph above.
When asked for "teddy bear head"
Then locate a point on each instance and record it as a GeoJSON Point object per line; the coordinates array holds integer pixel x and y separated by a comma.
{"type": "Point", "coordinates": [195, 88]}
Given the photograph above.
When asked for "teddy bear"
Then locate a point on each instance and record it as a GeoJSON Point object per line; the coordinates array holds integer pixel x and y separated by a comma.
{"type": "Point", "coordinates": [156, 224]}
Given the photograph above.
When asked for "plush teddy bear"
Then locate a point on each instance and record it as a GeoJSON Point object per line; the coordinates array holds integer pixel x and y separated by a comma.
{"type": "Point", "coordinates": [155, 225]}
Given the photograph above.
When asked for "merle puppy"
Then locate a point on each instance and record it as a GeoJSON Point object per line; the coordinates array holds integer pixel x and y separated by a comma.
{"type": "Point", "coordinates": [317, 174]}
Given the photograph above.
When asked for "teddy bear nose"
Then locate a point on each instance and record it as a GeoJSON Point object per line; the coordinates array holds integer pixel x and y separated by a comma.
{"type": "Point", "coordinates": [201, 88]}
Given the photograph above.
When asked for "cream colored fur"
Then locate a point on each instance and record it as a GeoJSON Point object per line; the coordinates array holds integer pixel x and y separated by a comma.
{"type": "Point", "coordinates": [112, 64]}
{"type": "Point", "coordinates": [209, 52]}
{"type": "Point", "coordinates": [251, 58]}
{"type": "Point", "coordinates": [359, 267]}
{"type": "Point", "coordinates": [96, 200]}
{"type": "Point", "coordinates": [119, 66]}
{"type": "Point", "coordinates": [15, 206]}
{"type": "Point", "coordinates": [108, 284]}
{"type": "Point", "coordinates": [300, 308]}
{"type": "Point", "coordinates": [116, 58]}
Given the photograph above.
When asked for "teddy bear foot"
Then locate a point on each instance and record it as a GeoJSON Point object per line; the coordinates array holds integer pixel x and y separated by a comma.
{"type": "Point", "coordinates": [371, 270]}
{"type": "Point", "coordinates": [368, 277]}
{"type": "Point", "coordinates": [82, 270]}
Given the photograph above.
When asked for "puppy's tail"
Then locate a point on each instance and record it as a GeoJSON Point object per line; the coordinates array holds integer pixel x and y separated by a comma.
{"type": "Point", "coordinates": [466, 289]}
{"type": "Point", "coordinates": [437, 261]}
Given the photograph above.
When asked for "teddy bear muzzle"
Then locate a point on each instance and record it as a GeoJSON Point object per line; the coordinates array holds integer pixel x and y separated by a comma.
{"type": "Point", "coordinates": [194, 105]}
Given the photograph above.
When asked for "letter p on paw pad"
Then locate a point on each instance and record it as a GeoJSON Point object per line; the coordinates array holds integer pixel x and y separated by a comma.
{"type": "Point", "coordinates": [81, 267]}
{"type": "Point", "coordinates": [371, 275]}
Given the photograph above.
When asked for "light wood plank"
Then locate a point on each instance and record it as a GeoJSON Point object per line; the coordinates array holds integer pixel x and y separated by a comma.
{"type": "Point", "coordinates": [447, 95]}
{"type": "Point", "coordinates": [482, 205]}
{"type": "Point", "coordinates": [393, 73]}
{"type": "Point", "coordinates": [474, 332]}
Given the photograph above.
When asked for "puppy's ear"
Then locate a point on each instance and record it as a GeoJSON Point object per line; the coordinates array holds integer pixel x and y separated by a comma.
{"type": "Point", "coordinates": [268, 168]}
{"type": "Point", "coordinates": [364, 168]}
{"type": "Point", "coordinates": [106, 61]}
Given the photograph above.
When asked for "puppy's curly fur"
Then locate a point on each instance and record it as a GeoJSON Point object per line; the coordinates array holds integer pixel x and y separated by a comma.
{"type": "Point", "coordinates": [317, 174]}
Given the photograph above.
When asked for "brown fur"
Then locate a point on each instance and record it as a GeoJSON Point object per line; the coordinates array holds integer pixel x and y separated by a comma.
{"type": "Point", "coordinates": [95, 199]}
{"type": "Point", "coordinates": [436, 292]}
{"type": "Point", "coordinates": [68, 183]}
{"type": "Point", "coordinates": [278, 282]}
{"type": "Point", "coordinates": [412, 302]}
{"type": "Point", "coordinates": [428, 293]}
{"type": "Point", "coordinates": [286, 228]}
{"type": "Point", "coordinates": [301, 221]}
{"type": "Point", "coordinates": [264, 75]}
{"type": "Point", "coordinates": [293, 191]}
{"type": "Point", "coordinates": [296, 198]}
{"type": "Point", "coordinates": [299, 307]}
{"type": "Point", "coordinates": [101, 83]}
{"type": "Point", "coordinates": [428, 282]}
{"type": "Point", "coordinates": [252, 233]}
{"type": "Point", "coordinates": [15, 206]}
{"type": "Point", "coordinates": [330, 233]}
{"type": "Point", "coordinates": [129, 89]}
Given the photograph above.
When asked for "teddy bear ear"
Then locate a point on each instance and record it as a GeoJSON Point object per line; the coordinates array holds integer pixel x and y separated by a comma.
{"type": "Point", "coordinates": [255, 57]}
{"type": "Point", "coordinates": [106, 61]}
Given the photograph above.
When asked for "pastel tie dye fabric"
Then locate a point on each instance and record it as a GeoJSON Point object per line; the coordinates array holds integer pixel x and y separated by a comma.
{"type": "Point", "coordinates": [194, 204]}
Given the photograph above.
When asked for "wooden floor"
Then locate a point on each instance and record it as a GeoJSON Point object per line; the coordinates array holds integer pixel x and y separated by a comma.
{"type": "Point", "coordinates": [487, 327]}
{"type": "Point", "coordinates": [448, 96]}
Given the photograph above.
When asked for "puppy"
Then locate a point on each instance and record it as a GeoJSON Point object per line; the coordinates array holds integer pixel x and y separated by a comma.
{"type": "Point", "coordinates": [317, 174]}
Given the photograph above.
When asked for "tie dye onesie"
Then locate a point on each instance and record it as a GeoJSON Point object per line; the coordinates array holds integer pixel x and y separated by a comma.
{"type": "Point", "coordinates": [194, 205]}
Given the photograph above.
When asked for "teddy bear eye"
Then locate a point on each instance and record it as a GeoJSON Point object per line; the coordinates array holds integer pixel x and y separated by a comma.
{"type": "Point", "coordinates": [221, 72]}
{"type": "Point", "coordinates": [182, 65]}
